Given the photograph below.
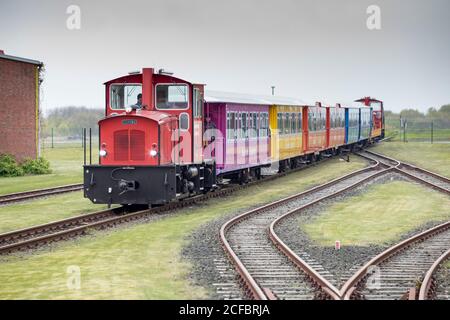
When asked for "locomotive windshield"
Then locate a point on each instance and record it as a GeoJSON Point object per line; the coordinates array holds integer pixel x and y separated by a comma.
{"type": "Point", "coordinates": [171, 96]}
{"type": "Point", "coordinates": [124, 95]}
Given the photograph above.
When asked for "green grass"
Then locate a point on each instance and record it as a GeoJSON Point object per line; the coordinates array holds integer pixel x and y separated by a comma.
{"type": "Point", "coordinates": [143, 261]}
{"type": "Point", "coordinates": [40, 211]}
{"type": "Point", "coordinates": [434, 157]}
{"type": "Point", "coordinates": [66, 164]}
{"type": "Point", "coordinates": [361, 221]}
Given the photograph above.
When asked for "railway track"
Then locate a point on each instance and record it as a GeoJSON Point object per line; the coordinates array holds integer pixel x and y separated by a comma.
{"type": "Point", "coordinates": [429, 288]}
{"type": "Point", "coordinates": [431, 179]}
{"type": "Point", "coordinates": [397, 272]}
{"type": "Point", "coordinates": [37, 236]}
{"type": "Point", "coordinates": [34, 194]}
{"type": "Point", "coordinates": [267, 268]}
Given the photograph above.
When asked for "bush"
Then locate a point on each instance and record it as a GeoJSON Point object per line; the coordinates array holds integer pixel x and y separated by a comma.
{"type": "Point", "coordinates": [36, 166]}
{"type": "Point", "coordinates": [9, 167]}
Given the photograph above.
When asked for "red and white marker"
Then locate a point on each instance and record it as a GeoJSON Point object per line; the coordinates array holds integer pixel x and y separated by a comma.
{"type": "Point", "coordinates": [337, 245]}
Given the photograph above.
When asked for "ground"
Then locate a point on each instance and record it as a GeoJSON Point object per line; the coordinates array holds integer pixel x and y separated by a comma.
{"type": "Point", "coordinates": [66, 163]}
{"type": "Point", "coordinates": [434, 157]}
{"type": "Point", "coordinates": [143, 261]}
{"type": "Point", "coordinates": [361, 221]}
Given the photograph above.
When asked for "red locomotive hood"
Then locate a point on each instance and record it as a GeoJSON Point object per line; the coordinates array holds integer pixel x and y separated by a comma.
{"type": "Point", "coordinates": [157, 116]}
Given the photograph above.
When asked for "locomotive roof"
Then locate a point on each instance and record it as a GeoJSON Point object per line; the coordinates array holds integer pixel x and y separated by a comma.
{"type": "Point", "coordinates": [230, 97]}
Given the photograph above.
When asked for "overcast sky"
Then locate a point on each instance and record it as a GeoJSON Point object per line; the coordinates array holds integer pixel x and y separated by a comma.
{"type": "Point", "coordinates": [312, 50]}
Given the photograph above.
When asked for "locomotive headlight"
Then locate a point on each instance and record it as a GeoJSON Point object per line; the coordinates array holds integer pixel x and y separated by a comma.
{"type": "Point", "coordinates": [102, 153]}
{"type": "Point", "coordinates": [154, 151]}
{"type": "Point", "coordinates": [128, 109]}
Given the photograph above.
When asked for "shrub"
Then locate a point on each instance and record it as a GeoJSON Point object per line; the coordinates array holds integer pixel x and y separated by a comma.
{"type": "Point", "coordinates": [36, 166]}
{"type": "Point", "coordinates": [9, 167]}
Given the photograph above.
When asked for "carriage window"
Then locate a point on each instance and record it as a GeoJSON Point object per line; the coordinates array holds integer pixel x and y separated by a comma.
{"type": "Point", "coordinates": [263, 124]}
{"type": "Point", "coordinates": [280, 123]}
{"type": "Point", "coordinates": [231, 122]}
{"type": "Point", "coordinates": [293, 123]}
{"type": "Point", "coordinates": [299, 125]}
{"type": "Point", "coordinates": [253, 125]}
{"type": "Point", "coordinates": [244, 125]}
{"type": "Point", "coordinates": [287, 124]}
{"type": "Point", "coordinates": [171, 96]}
{"type": "Point", "coordinates": [124, 95]}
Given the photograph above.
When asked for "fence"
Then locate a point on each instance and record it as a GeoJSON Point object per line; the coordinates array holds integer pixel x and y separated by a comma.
{"type": "Point", "coordinates": [406, 130]}
{"type": "Point", "coordinates": [57, 139]}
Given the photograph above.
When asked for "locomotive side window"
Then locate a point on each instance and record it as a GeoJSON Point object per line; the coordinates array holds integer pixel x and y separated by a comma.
{"type": "Point", "coordinates": [198, 103]}
{"type": "Point", "coordinates": [124, 95]}
{"type": "Point", "coordinates": [184, 121]}
{"type": "Point", "coordinates": [172, 96]}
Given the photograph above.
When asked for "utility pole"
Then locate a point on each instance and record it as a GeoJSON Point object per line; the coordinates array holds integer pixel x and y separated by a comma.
{"type": "Point", "coordinates": [273, 90]}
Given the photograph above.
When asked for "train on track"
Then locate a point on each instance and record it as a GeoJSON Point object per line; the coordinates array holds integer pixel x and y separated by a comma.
{"type": "Point", "coordinates": [164, 138]}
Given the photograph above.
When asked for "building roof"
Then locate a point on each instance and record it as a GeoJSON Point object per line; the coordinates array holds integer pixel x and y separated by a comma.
{"type": "Point", "coordinates": [218, 96]}
{"type": "Point", "coordinates": [13, 58]}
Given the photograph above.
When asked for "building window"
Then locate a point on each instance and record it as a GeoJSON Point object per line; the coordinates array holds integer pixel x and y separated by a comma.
{"type": "Point", "coordinates": [172, 96]}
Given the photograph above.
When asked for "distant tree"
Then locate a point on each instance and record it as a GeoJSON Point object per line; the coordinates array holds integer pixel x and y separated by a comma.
{"type": "Point", "coordinates": [68, 121]}
{"type": "Point", "coordinates": [411, 114]}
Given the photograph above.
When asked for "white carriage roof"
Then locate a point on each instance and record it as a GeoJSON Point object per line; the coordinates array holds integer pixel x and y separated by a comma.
{"type": "Point", "coordinates": [218, 96]}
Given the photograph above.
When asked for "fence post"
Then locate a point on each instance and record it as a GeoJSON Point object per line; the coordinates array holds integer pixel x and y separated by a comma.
{"type": "Point", "coordinates": [90, 145]}
{"type": "Point", "coordinates": [405, 124]}
{"type": "Point", "coordinates": [431, 132]}
{"type": "Point", "coordinates": [84, 145]}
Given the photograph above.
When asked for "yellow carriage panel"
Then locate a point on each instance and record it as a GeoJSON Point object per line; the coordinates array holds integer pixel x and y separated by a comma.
{"type": "Point", "coordinates": [286, 130]}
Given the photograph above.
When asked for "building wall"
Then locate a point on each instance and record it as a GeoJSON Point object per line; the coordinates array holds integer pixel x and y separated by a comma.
{"type": "Point", "coordinates": [18, 125]}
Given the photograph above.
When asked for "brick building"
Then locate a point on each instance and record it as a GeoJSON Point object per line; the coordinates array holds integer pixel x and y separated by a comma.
{"type": "Point", "coordinates": [19, 106]}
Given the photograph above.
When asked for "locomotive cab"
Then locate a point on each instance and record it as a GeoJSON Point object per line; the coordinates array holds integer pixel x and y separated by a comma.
{"type": "Point", "coordinates": [150, 142]}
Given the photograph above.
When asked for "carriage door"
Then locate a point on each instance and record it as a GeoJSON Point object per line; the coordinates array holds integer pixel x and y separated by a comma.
{"type": "Point", "coordinates": [197, 120]}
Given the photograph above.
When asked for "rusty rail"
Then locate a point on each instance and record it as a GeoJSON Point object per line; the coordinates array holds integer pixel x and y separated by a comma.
{"type": "Point", "coordinates": [35, 236]}
{"type": "Point", "coordinates": [350, 286]}
{"type": "Point", "coordinates": [415, 168]}
{"type": "Point", "coordinates": [315, 276]}
{"type": "Point", "coordinates": [33, 194]}
{"type": "Point", "coordinates": [250, 285]}
{"type": "Point", "coordinates": [428, 284]}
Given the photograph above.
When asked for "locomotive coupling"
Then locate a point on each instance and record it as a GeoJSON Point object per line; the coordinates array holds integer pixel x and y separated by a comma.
{"type": "Point", "coordinates": [125, 186]}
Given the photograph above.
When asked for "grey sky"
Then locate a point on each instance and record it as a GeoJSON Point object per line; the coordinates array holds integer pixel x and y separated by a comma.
{"type": "Point", "coordinates": [312, 50]}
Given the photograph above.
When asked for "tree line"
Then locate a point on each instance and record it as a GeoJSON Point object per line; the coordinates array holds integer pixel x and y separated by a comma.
{"type": "Point", "coordinates": [439, 116]}
{"type": "Point", "coordinates": [69, 121]}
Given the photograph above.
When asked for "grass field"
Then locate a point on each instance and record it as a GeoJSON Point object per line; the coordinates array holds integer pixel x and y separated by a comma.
{"type": "Point", "coordinates": [40, 211]}
{"type": "Point", "coordinates": [143, 261]}
{"type": "Point", "coordinates": [66, 164]}
{"type": "Point", "coordinates": [434, 157]}
{"type": "Point", "coordinates": [360, 220]}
